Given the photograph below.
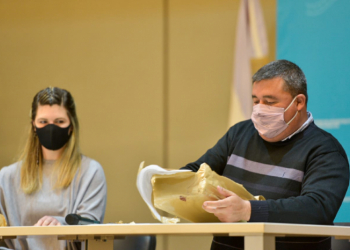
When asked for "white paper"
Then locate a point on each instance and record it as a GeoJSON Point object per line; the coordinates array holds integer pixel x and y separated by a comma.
{"type": "Point", "coordinates": [144, 184]}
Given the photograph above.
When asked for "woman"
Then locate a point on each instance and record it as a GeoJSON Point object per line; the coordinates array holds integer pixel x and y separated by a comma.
{"type": "Point", "coordinates": [52, 178]}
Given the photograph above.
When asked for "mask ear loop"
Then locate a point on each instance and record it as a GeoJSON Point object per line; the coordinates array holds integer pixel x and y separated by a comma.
{"type": "Point", "coordinates": [288, 108]}
{"type": "Point", "coordinates": [37, 154]}
{"type": "Point", "coordinates": [37, 148]}
{"type": "Point", "coordinates": [292, 118]}
{"type": "Point", "coordinates": [290, 104]}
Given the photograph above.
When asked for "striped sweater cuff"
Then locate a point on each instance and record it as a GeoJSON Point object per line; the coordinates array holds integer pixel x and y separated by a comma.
{"type": "Point", "coordinates": [259, 212]}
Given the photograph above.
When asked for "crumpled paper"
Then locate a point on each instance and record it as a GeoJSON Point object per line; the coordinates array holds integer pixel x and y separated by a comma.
{"type": "Point", "coordinates": [182, 194]}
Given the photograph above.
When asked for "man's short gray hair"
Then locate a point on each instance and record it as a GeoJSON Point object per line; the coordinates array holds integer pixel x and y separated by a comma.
{"type": "Point", "coordinates": [293, 76]}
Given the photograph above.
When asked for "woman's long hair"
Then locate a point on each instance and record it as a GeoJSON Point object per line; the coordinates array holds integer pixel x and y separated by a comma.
{"type": "Point", "coordinates": [32, 157]}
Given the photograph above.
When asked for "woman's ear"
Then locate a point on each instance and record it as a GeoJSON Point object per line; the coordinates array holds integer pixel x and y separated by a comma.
{"type": "Point", "coordinates": [301, 101]}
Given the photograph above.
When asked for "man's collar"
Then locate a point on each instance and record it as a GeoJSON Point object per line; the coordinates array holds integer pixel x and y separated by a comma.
{"type": "Point", "coordinates": [309, 120]}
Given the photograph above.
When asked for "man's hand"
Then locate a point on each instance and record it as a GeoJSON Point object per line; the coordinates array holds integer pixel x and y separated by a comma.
{"type": "Point", "coordinates": [230, 209]}
{"type": "Point", "coordinates": [48, 221]}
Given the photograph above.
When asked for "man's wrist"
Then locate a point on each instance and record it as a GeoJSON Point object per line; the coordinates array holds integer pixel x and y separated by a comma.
{"type": "Point", "coordinates": [259, 211]}
{"type": "Point", "coordinates": [248, 211]}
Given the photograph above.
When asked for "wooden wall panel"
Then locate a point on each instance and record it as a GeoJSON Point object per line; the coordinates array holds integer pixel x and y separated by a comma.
{"type": "Point", "coordinates": [201, 46]}
{"type": "Point", "coordinates": [109, 56]}
{"type": "Point", "coordinates": [137, 98]}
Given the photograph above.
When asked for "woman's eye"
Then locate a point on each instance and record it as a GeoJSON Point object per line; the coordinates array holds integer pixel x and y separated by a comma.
{"type": "Point", "coordinates": [42, 122]}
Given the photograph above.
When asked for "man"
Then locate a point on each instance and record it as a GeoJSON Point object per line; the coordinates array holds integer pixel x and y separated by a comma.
{"type": "Point", "coordinates": [301, 170]}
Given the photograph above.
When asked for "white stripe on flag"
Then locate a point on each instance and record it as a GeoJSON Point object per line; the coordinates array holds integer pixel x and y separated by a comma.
{"type": "Point", "coordinates": [251, 43]}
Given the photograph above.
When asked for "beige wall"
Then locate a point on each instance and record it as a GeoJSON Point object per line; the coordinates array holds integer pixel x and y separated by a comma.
{"type": "Point", "coordinates": [151, 80]}
{"type": "Point", "coordinates": [201, 45]}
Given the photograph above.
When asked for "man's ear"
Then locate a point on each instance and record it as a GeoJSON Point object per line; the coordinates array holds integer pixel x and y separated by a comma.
{"type": "Point", "coordinates": [301, 101]}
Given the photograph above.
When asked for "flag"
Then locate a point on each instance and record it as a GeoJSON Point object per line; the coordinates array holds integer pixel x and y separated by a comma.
{"type": "Point", "coordinates": [251, 53]}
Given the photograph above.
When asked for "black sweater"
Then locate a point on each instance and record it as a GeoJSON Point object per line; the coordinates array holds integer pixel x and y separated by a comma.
{"type": "Point", "coordinates": [304, 179]}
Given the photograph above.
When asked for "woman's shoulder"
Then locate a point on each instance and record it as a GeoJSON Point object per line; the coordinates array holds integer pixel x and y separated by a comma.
{"type": "Point", "coordinates": [10, 171]}
{"type": "Point", "coordinates": [91, 166]}
{"type": "Point", "coordinates": [90, 172]}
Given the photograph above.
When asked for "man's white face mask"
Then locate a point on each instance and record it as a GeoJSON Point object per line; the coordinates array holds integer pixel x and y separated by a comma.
{"type": "Point", "coordinates": [269, 120]}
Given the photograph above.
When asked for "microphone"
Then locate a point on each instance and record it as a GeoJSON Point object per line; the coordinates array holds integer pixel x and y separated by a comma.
{"type": "Point", "coordinates": [75, 219]}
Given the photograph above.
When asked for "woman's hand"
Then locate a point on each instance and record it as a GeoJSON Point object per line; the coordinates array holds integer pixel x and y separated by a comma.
{"type": "Point", "coordinates": [48, 221]}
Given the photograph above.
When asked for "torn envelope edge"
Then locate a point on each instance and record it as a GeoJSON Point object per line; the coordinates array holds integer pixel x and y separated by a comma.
{"type": "Point", "coordinates": [145, 188]}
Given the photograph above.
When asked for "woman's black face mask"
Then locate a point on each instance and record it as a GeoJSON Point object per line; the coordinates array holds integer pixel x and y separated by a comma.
{"type": "Point", "coordinates": [52, 136]}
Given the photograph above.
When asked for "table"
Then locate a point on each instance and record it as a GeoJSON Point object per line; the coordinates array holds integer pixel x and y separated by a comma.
{"type": "Point", "coordinates": [257, 236]}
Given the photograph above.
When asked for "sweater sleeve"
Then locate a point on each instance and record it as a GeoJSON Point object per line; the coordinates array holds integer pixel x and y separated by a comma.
{"type": "Point", "coordinates": [216, 157]}
{"type": "Point", "coordinates": [323, 188]}
{"type": "Point", "coordinates": [91, 194]}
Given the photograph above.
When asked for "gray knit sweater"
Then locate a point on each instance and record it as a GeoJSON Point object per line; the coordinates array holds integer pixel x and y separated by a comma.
{"type": "Point", "coordinates": [86, 196]}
